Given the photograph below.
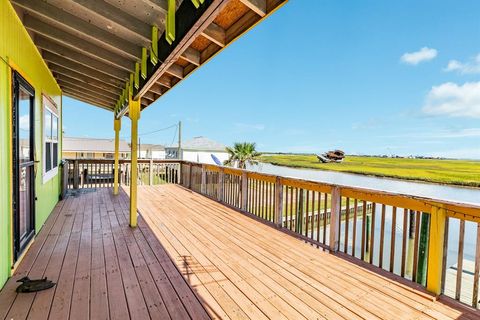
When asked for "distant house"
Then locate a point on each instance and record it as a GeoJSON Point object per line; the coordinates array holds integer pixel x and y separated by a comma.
{"type": "Point", "coordinates": [91, 148]}
{"type": "Point", "coordinates": [151, 151]}
{"type": "Point", "coordinates": [198, 149]}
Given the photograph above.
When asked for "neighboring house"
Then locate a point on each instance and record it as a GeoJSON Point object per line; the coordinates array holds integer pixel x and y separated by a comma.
{"type": "Point", "coordinates": [151, 151]}
{"type": "Point", "coordinates": [198, 149]}
{"type": "Point", "coordinates": [91, 148]}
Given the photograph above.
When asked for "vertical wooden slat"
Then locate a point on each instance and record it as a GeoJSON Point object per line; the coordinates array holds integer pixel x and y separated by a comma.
{"type": "Point", "coordinates": [476, 273]}
{"type": "Point", "coordinates": [404, 239]}
{"type": "Point", "coordinates": [364, 226]}
{"type": "Point", "coordinates": [461, 238]}
{"type": "Point", "coordinates": [306, 212]}
{"type": "Point", "coordinates": [415, 245]}
{"type": "Point", "coordinates": [347, 214]}
{"type": "Point", "coordinates": [325, 205]}
{"type": "Point", "coordinates": [445, 253]}
{"type": "Point", "coordinates": [392, 239]}
{"type": "Point", "coordinates": [372, 238]}
{"type": "Point", "coordinates": [291, 207]}
{"type": "Point", "coordinates": [382, 237]}
{"type": "Point", "coordinates": [319, 195]}
{"type": "Point", "coordinates": [354, 235]}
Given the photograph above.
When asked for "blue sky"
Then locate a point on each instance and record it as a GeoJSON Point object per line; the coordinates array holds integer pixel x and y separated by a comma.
{"type": "Point", "coordinates": [368, 77]}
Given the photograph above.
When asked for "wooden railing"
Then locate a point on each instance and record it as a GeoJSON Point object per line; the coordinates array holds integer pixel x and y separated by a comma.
{"type": "Point", "coordinates": [404, 235]}
{"type": "Point", "coordinates": [96, 173]}
{"type": "Point", "coordinates": [408, 237]}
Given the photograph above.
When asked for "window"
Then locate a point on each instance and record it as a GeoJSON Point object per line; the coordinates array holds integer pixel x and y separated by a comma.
{"type": "Point", "coordinates": [50, 140]}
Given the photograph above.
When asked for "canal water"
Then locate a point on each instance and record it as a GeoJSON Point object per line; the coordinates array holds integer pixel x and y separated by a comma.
{"type": "Point", "coordinates": [430, 190]}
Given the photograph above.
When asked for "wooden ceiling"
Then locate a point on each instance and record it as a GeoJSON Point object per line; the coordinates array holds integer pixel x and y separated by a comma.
{"type": "Point", "coordinates": [92, 46]}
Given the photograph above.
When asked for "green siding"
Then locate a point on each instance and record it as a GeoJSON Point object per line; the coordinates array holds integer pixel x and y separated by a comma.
{"type": "Point", "coordinates": [17, 47]}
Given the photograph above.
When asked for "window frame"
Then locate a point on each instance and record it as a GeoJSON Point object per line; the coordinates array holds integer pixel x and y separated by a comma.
{"type": "Point", "coordinates": [49, 105]}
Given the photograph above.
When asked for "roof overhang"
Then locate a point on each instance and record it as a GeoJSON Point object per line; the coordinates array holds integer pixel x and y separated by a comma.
{"type": "Point", "coordinates": [99, 51]}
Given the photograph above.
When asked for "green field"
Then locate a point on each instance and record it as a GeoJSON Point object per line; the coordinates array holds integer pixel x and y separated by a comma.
{"type": "Point", "coordinates": [456, 172]}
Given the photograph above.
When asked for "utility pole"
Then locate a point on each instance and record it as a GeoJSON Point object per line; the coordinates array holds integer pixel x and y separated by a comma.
{"type": "Point", "coordinates": [179, 155]}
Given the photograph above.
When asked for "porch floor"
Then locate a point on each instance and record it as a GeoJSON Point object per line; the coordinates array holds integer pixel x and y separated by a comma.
{"type": "Point", "coordinates": [192, 257]}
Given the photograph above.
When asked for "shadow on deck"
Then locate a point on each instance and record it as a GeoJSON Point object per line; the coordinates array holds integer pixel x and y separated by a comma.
{"type": "Point", "coordinates": [192, 257]}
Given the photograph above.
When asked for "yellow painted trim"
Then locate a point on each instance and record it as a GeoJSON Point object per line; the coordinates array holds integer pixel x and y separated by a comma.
{"type": "Point", "coordinates": [117, 126]}
{"type": "Point", "coordinates": [134, 114]}
{"type": "Point", "coordinates": [10, 157]}
{"type": "Point", "coordinates": [24, 253]}
{"type": "Point", "coordinates": [17, 68]}
{"type": "Point", "coordinates": [435, 250]}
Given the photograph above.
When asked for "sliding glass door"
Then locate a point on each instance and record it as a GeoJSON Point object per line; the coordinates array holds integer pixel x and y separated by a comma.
{"type": "Point", "coordinates": [23, 164]}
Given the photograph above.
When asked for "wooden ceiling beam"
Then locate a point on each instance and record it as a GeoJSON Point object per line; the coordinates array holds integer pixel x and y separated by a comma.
{"type": "Point", "coordinates": [81, 77]}
{"type": "Point", "coordinates": [90, 99]}
{"type": "Point", "coordinates": [176, 71]}
{"type": "Point", "coordinates": [77, 43]}
{"type": "Point", "coordinates": [51, 46]}
{"type": "Point", "coordinates": [76, 25]}
{"type": "Point", "coordinates": [89, 89]}
{"type": "Point", "coordinates": [66, 79]}
{"type": "Point", "coordinates": [86, 100]}
{"type": "Point", "coordinates": [257, 6]}
{"type": "Point", "coordinates": [215, 33]}
{"type": "Point", "coordinates": [87, 71]}
{"type": "Point", "coordinates": [164, 82]}
{"type": "Point", "coordinates": [88, 95]}
{"type": "Point", "coordinates": [191, 55]}
{"type": "Point", "coordinates": [157, 89]}
{"type": "Point", "coordinates": [117, 16]}
{"type": "Point", "coordinates": [160, 5]}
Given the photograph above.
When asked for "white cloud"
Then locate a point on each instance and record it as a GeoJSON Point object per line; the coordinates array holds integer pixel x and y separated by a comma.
{"type": "Point", "coordinates": [424, 54]}
{"type": "Point", "coordinates": [250, 127]}
{"type": "Point", "coordinates": [470, 67]}
{"type": "Point", "coordinates": [454, 100]}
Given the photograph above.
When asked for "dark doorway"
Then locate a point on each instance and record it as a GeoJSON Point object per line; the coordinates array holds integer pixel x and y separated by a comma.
{"type": "Point", "coordinates": [23, 163]}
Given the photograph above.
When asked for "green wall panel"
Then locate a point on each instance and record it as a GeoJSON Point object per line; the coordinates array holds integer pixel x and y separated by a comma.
{"type": "Point", "coordinates": [17, 50]}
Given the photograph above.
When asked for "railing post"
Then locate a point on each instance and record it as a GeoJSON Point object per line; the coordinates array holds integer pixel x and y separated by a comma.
{"type": "Point", "coordinates": [150, 172]}
{"type": "Point", "coordinates": [438, 220]}
{"type": "Point", "coordinates": [335, 216]}
{"type": "Point", "coordinates": [117, 125]}
{"type": "Point", "coordinates": [134, 114]}
{"type": "Point", "coordinates": [221, 177]}
{"type": "Point", "coordinates": [244, 190]}
{"type": "Point", "coordinates": [75, 174]}
{"type": "Point", "coordinates": [203, 186]}
{"type": "Point", "coordinates": [278, 203]}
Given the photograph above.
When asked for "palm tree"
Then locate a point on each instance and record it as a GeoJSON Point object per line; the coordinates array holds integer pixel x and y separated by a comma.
{"type": "Point", "coordinates": [242, 153]}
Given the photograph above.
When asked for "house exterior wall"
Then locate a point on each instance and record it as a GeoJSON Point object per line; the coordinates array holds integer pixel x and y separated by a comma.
{"type": "Point", "coordinates": [155, 154]}
{"type": "Point", "coordinates": [17, 52]}
{"type": "Point", "coordinates": [203, 156]}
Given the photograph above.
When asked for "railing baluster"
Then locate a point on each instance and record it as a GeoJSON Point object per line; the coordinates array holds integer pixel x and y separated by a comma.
{"type": "Point", "coordinates": [476, 273]}
{"type": "Point", "coordinates": [392, 240]}
{"type": "Point", "coordinates": [415, 246]}
{"type": "Point", "coordinates": [364, 226]}
{"type": "Point", "coordinates": [354, 235]}
{"type": "Point", "coordinates": [347, 212]}
{"type": "Point", "coordinates": [372, 237]}
{"type": "Point", "coordinates": [404, 241]}
{"type": "Point", "coordinates": [382, 237]}
{"type": "Point", "coordinates": [461, 238]}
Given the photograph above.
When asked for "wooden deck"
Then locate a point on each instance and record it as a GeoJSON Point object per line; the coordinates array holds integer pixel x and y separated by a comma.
{"type": "Point", "coordinates": [192, 257]}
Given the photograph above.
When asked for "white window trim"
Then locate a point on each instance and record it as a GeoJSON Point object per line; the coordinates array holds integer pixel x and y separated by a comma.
{"type": "Point", "coordinates": [50, 106]}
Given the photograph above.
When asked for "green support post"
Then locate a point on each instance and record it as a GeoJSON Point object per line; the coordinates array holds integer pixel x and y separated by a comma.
{"type": "Point", "coordinates": [423, 250]}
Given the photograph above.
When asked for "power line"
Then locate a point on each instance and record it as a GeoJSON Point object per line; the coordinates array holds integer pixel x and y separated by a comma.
{"type": "Point", "coordinates": [155, 131]}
